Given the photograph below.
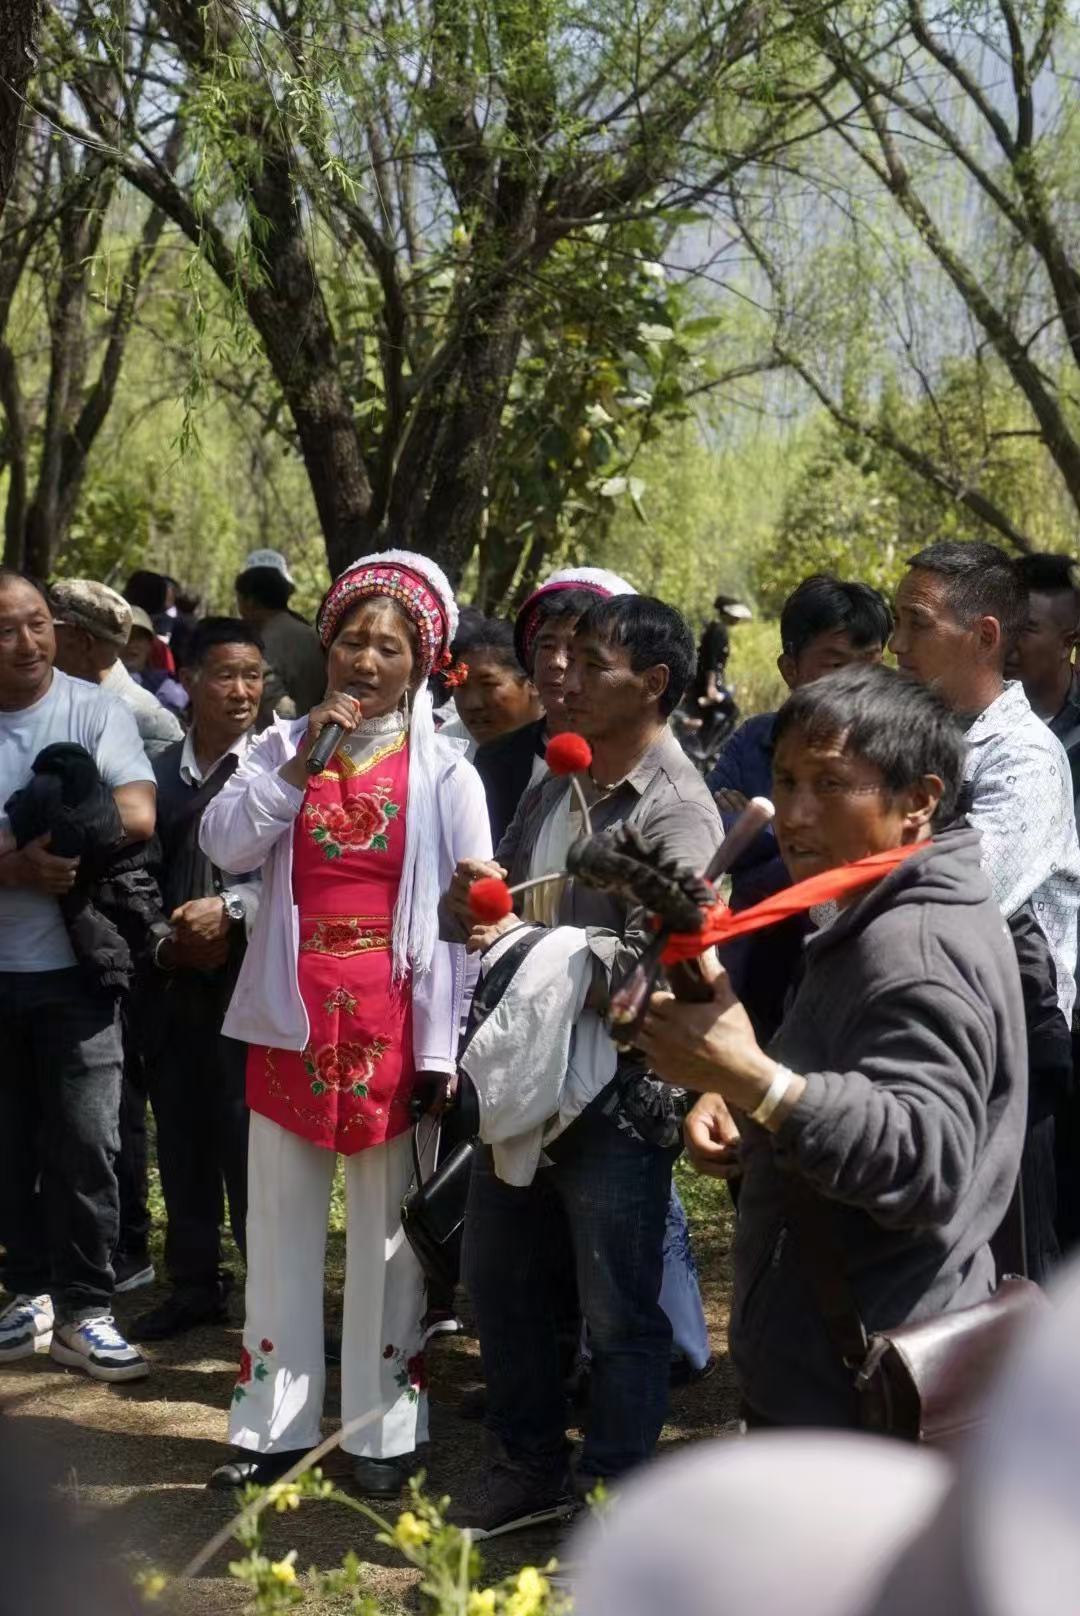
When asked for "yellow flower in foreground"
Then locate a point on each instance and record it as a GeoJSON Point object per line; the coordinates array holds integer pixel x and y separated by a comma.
{"type": "Point", "coordinates": [284, 1571]}
{"type": "Point", "coordinates": [482, 1602]}
{"type": "Point", "coordinates": [152, 1584]}
{"type": "Point", "coordinates": [283, 1495]}
{"type": "Point", "coordinates": [410, 1532]}
{"type": "Point", "coordinates": [530, 1591]}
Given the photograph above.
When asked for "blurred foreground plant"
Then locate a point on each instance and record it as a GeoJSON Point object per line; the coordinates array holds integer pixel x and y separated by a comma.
{"type": "Point", "coordinates": [451, 1570]}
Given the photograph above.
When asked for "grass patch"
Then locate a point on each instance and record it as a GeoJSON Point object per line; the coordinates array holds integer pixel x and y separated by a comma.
{"type": "Point", "coordinates": [709, 1211]}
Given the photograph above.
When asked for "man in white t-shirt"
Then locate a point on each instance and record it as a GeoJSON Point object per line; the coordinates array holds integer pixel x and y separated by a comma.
{"type": "Point", "coordinates": [60, 1079]}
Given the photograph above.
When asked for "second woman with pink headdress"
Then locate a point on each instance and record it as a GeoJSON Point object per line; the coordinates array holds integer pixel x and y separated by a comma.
{"type": "Point", "coordinates": [349, 1002]}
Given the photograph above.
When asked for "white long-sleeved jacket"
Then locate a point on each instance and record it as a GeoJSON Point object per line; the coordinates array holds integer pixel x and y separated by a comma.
{"type": "Point", "coordinates": [248, 826]}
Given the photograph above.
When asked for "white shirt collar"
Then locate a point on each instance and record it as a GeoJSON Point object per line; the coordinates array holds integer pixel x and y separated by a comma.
{"type": "Point", "coordinates": [1003, 714]}
{"type": "Point", "coordinates": [190, 772]}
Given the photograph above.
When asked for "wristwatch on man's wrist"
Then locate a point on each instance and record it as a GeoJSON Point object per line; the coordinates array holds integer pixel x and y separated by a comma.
{"type": "Point", "coordinates": [234, 906]}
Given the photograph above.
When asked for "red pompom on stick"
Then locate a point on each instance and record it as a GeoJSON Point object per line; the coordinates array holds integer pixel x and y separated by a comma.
{"type": "Point", "coordinates": [571, 754]}
{"type": "Point", "coordinates": [490, 900]}
{"type": "Point", "coordinates": [568, 754]}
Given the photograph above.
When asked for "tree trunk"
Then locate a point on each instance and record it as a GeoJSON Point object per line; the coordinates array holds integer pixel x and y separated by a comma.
{"type": "Point", "coordinates": [19, 21]}
{"type": "Point", "coordinates": [293, 321]}
{"type": "Point", "coordinates": [440, 490]}
{"type": "Point", "coordinates": [287, 306]}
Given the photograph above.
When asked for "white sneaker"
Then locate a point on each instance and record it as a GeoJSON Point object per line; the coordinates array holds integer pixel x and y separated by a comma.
{"type": "Point", "coordinates": [26, 1327]}
{"type": "Point", "coordinates": [97, 1348]}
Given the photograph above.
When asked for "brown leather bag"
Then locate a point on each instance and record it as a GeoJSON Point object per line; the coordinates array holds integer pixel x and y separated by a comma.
{"type": "Point", "coordinates": [928, 1382]}
{"type": "Point", "coordinates": [920, 1382]}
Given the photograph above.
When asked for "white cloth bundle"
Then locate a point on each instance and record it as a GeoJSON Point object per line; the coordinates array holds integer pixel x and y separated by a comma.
{"type": "Point", "coordinates": [540, 1057]}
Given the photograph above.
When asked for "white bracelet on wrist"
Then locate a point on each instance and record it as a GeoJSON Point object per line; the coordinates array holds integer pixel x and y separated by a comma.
{"type": "Point", "coordinates": [774, 1096]}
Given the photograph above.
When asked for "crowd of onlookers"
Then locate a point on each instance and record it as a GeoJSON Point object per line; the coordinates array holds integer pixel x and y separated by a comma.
{"type": "Point", "coordinates": [288, 966]}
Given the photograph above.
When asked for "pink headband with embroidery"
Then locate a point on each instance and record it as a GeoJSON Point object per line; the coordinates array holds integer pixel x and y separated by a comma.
{"type": "Point", "coordinates": [407, 589]}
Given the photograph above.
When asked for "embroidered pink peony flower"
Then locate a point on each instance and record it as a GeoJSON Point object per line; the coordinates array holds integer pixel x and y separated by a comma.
{"type": "Point", "coordinates": [366, 819]}
{"type": "Point", "coordinates": [245, 1367]}
{"type": "Point", "coordinates": [338, 1064]}
{"type": "Point", "coordinates": [331, 817]}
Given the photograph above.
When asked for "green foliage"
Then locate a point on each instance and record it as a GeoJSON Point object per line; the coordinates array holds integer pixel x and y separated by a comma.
{"type": "Point", "coordinates": [705, 511]}
{"type": "Point", "coordinates": [839, 517]}
{"type": "Point", "coordinates": [608, 355]}
{"type": "Point", "coordinates": [441, 235]}
{"type": "Point", "coordinates": [509, 218]}
{"type": "Point", "coordinates": [752, 670]}
{"type": "Point", "coordinates": [859, 511]}
{"type": "Point", "coordinates": [120, 519]}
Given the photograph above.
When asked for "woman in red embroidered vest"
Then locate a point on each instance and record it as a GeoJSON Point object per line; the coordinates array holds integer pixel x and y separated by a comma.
{"type": "Point", "coordinates": [348, 1001]}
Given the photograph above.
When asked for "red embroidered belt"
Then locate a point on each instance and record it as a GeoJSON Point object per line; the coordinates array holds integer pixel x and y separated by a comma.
{"type": "Point", "coordinates": [345, 935]}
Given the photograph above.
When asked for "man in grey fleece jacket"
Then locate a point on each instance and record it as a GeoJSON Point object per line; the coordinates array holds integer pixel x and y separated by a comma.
{"type": "Point", "coordinates": [896, 1087]}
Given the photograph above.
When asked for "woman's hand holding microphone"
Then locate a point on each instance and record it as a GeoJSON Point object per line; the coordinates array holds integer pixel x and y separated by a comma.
{"type": "Point", "coordinates": [338, 708]}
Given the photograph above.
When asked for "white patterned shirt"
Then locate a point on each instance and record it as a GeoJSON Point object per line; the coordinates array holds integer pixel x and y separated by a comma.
{"type": "Point", "coordinates": [1022, 802]}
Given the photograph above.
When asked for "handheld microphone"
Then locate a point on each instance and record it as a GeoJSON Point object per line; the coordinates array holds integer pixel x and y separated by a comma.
{"type": "Point", "coordinates": [321, 753]}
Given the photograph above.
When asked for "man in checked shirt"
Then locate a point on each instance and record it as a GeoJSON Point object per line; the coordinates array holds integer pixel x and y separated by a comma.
{"type": "Point", "coordinates": [958, 611]}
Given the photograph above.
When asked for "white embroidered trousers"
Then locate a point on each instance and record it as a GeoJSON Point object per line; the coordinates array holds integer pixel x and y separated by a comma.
{"type": "Point", "coordinates": [278, 1399]}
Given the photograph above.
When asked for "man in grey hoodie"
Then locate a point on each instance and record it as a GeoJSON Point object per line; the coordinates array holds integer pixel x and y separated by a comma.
{"type": "Point", "coordinates": [896, 1087]}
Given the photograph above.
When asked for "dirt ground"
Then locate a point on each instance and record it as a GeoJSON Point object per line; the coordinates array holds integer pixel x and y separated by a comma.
{"type": "Point", "coordinates": [135, 1459]}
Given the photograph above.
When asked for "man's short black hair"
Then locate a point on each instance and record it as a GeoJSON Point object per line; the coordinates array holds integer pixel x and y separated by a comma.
{"type": "Point", "coordinates": [266, 586]}
{"type": "Point", "coordinates": [890, 719]}
{"type": "Point", "coordinates": [652, 632]}
{"type": "Point", "coordinates": [980, 581]}
{"type": "Point", "coordinates": [822, 604]}
{"type": "Point", "coordinates": [1049, 573]}
{"type": "Point", "coordinates": [12, 575]}
{"type": "Point", "coordinates": [493, 635]}
{"type": "Point", "coordinates": [212, 631]}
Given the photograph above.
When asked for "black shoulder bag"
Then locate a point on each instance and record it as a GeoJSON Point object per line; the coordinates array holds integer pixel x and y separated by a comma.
{"type": "Point", "coordinates": [433, 1211]}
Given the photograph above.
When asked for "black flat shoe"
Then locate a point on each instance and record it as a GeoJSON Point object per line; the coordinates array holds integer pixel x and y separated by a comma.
{"type": "Point", "coordinates": [180, 1311]}
{"type": "Point", "coordinates": [254, 1469]}
{"type": "Point", "coordinates": [382, 1478]}
{"type": "Point", "coordinates": [683, 1372]}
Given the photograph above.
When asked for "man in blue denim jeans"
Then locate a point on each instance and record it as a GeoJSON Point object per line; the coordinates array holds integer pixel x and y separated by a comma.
{"type": "Point", "coordinates": [630, 661]}
{"type": "Point", "coordinates": [60, 1078]}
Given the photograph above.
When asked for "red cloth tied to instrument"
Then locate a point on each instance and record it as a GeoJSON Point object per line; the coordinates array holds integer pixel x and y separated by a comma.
{"type": "Point", "coordinates": [721, 924]}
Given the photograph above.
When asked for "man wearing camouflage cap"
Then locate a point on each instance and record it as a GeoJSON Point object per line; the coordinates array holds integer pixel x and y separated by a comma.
{"type": "Point", "coordinates": [92, 624]}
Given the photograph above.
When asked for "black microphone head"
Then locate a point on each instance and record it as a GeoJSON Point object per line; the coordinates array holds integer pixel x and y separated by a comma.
{"type": "Point", "coordinates": [327, 744]}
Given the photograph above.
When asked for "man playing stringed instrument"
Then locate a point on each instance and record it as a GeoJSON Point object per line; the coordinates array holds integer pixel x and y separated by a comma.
{"type": "Point", "coordinates": [895, 1089]}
